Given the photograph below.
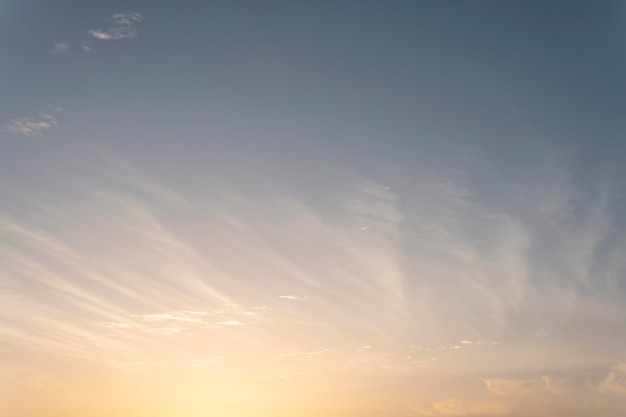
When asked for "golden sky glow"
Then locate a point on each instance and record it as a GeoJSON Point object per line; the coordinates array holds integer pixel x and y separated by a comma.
{"type": "Point", "coordinates": [338, 209]}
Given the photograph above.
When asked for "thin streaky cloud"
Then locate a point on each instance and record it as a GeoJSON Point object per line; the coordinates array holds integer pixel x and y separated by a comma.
{"type": "Point", "coordinates": [229, 323]}
{"type": "Point", "coordinates": [123, 27]}
{"type": "Point", "coordinates": [127, 18]}
{"type": "Point", "coordinates": [293, 297]}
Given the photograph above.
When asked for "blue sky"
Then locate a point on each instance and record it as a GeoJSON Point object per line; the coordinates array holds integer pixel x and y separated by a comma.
{"type": "Point", "coordinates": [356, 208]}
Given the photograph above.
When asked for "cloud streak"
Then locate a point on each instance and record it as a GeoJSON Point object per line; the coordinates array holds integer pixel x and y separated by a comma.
{"type": "Point", "coordinates": [122, 27]}
{"type": "Point", "coordinates": [293, 297]}
{"type": "Point", "coordinates": [439, 281]}
{"type": "Point", "coordinates": [34, 126]}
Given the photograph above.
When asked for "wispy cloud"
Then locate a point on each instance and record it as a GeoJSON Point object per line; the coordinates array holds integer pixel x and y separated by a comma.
{"type": "Point", "coordinates": [31, 126]}
{"type": "Point", "coordinates": [615, 382]}
{"type": "Point", "coordinates": [439, 275]}
{"type": "Point", "coordinates": [518, 388]}
{"type": "Point", "coordinates": [293, 297]}
{"type": "Point", "coordinates": [457, 407]}
{"type": "Point", "coordinates": [60, 47]}
{"type": "Point", "coordinates": [122, 26]}
{"type": "Point", "coordinates": [583, 393]}
{"type": "Point", "coordinates": [229, 323]}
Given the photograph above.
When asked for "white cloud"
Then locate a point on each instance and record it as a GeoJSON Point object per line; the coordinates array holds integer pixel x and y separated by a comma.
{"type": "Point", "coordinates": [176, 316]}
{"type": "Point", "coordinates": [100, 34]}
{"type": "Point", "coordinates": [60, 47]}
{"type": "Point", "coordinates": [86, 48]}
{"type": "Point", "coordinates": [31, 126]}
{"type": "Point", "coordinates": [293, 297]}
{"type": "Point", "coordinates": [123, 26]}
{"type": "Point", "coordinates": [431, 259]}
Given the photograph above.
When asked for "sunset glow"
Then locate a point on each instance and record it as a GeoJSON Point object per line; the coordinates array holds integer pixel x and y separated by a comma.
{"type": "Point", "coordinates": [312, 208]}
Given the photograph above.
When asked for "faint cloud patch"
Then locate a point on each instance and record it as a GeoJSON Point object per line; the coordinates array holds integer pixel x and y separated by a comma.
{"type": "Point", "coordinates": [59, 47]}
{"type": "Point", "coordinates": [293, 297]}
{"type": "Point", "coordinates": [456, 407]}
{"type": "Point", "coordinates": [188, 317]}
{"type": "Point", "coordinates": [31, 126]}
{"type": "Point", "coordinates": [229, 323]}
{"type": "Point", "coordinates": [123, 26]}
{"type": "Point", "coordinates": [174, 322]}
{"type": "Point", "coordinates": [516, 387]}
{"type": "Point", "coordinates": [615, 382]}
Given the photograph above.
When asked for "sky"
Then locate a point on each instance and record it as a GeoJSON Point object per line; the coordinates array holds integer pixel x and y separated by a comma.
{"type": "Point", "coordinates": [313, 208]}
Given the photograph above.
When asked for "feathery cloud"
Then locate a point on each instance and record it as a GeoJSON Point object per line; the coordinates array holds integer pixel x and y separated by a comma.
{"type": "Point", "coordinates": [293, 297]}
{"type": "Point", "coordinates": [615, 382]}
{"type": "Point", "coordinates": [31, 126]}
{"type": "Point", "coordinates": [123, 26]}
{"type": "Point", "coordinates": [229, 323]}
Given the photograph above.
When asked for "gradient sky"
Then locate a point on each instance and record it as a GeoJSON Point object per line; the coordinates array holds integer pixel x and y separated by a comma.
{"type": "Point", "coordinates": [312, 208]}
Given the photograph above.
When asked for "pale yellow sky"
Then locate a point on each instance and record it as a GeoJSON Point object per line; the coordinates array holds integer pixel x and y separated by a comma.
{"type": "Point", "coordinates": [312, 208]}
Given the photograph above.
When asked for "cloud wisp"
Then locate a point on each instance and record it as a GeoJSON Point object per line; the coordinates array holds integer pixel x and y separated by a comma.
{"type": "Point", "coordinates": [31, 126]}
{"type": "Point", "coordinates": [457, 407]}
{"type": "Point", "coordinates": [292, 297]}
{"type": "Point", "coordinates": [434, 280]}
{"type": "Point", "coordinates": [122, 27]}
{"type": "Point", "coordinates": [582, 393]}
{"type": "Point", "coordinates": [59, 47]}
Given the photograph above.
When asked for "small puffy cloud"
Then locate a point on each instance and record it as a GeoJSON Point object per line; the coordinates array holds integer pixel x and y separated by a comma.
{"type": "Point", "coordinates": [123, 26]}
{"type": "Point", "coordinates": [59, 47]}
{"type": "Point", "coordinates": [31, 126]}
{"type": "Point", "coordinates": [86, 48]}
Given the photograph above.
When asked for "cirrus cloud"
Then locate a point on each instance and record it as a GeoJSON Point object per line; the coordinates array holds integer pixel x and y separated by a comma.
{"type": "Point", "coordinates": [31, 126]}
{"type": "Point", "coordinates": [123, 26]}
